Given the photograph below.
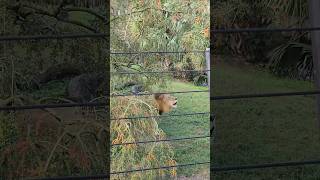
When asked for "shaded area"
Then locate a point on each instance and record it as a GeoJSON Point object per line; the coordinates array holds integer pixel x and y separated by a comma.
{"type": "Point", "coordinates": [264, 130]}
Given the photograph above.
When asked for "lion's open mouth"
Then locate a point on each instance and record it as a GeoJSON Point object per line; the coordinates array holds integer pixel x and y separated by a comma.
{"type": "Point", "coordinates": [175, 104]}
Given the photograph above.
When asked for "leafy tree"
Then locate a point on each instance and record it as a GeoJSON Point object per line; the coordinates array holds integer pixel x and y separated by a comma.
{"type": "Point", "coordinates": [162, 25]}
{"type": "Point", "coordinates": [234, 14]}
{"type": "Point", "coordinates": [148, 25]}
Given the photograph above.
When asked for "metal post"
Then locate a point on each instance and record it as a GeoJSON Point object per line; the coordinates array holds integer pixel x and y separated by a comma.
{"type": "Point", "coordinates": [107, 86]}
{"type": "Point", "coordinates": [208, 65]}
{"type": "Point", "coordinates": [314, 11]}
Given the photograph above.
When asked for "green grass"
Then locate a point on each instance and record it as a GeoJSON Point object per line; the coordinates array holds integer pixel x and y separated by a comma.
{"type": "Point", "coordinates": [189, 151]}
{"type": "Point", "coordinates": [82, 16]}
{"type": "Point", "coordinates": [52, 89]}
{"type": "Point", "coordinates": [264, 130]}
{"type": "Point", "coordinates": [248, 131]}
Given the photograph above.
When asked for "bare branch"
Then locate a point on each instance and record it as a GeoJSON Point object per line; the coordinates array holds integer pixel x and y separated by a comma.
{"type": "Point", "coordinates": [87, 11]}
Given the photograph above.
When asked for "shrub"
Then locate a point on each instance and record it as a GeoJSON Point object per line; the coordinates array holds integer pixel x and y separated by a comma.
{"type": "Point", "coordinates": [54, 142]}
{"type": "Point", "coordinates": [132, 156]}
{"type": "Point", "coordinates": [236, 14]}
{"type": "Point", "coordinates": [292, 59]}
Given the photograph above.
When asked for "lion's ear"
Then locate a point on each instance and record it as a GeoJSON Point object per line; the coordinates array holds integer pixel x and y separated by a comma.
{"type": "Point", "coordinates": [158, 96]}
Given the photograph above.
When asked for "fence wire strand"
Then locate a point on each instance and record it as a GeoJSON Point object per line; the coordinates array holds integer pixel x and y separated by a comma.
{"type": "Point", "coordinates": [148, 94]}
{"type": "Point", "coordinates": [61, 36]}
{"type": "Point", "coordinates": [102, 176]}
{"type": "Point", "coordinates": [101, 35]}
{"type": "Point", "coordinates": [214, 98]}
{"type": "Point", "coordinates": [50, 106]}
{"type": "Point", "coordinates": [162, 167]}
{"type": "Point", "coordinates": [162, 116]}
{"type": "Point", "coordinates": [157, 52]}
{"type": "Point", "coordinates": [161, 140]}
{"type": "Point", "coordinates": [245, 96]}
{"type": "Point", "coordinates": [261, 166]}
{"type": "Point", "coordinates": [264, 30]}
{"type": "Point", "coordinates": [156, 72]}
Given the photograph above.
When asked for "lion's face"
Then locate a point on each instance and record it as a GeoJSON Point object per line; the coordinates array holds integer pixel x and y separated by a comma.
{"type": "Point", "coordinates": [165, 102]}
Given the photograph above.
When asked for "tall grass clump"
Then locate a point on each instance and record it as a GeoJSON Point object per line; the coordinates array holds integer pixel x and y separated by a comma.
{"type": "Point", "coordinates": [52, 142]}
{"type": "Point", "coordinates": [132, 156]}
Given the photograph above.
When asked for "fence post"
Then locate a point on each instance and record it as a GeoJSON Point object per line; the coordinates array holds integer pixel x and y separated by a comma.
{"type": "Point", "coordinates": [208, 65]}
{"type": "Point", "coordinates": [107, 87]}
{"type": "Point", "coordinates": [314, 12]}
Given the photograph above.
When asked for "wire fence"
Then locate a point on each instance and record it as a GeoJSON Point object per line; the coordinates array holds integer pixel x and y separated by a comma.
{"type": "Point", "coordinates": [264, 30]}
{"type": "Point", "coordinates": [103, 104]}
{"type": "Point", "coordinates": [161, 140]}
{"type": "Point", "coordinates": [45, 37]}
{"type": "Point", "coordinates": [102, 35]}
{"type": "Point", "coordinates": [104, 176]}
{"type": "Point", "coordinates": [213, 98]}
{"type": "Point", "coordinates": [217, 168]}
{"type": "Point", "coordinates": [140, 58]}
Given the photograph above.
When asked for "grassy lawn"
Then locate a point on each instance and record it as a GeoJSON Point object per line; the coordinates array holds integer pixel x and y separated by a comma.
{"type": "Point", "coordinates": [248, 131]}
{"type": "Point", "coordinates": [264, 130]}
{"type": "Point", "coordinates": [189, 151]}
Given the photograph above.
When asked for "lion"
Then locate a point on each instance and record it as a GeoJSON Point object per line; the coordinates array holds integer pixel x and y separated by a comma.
{"type": "Point", "coordinates": [165, 102]}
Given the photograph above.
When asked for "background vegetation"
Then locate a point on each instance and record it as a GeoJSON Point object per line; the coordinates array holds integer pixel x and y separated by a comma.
{"type": "Point", "coordinates": [284, 54]}
{"type": "Point", "coordinates": [157, 25]}
{"type": "Point", "coordinates": [52, 143]}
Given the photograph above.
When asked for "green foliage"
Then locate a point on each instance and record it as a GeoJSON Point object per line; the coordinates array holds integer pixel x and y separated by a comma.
{"type": "Point", "coordinates": [52, 142]}
{"type": "Point", "coordinates": [292, 59]}
{"type": "Point", "coordinates": [286, 9]}
{"type": "Point", "coordinates": [23, 62]}
{"type": "Point", "coordinates": [48, 142]}
{"type": "Point", "coordinates": [137, 64]}
{"type": "Point", "coordinates": [133, 156]}
{"type": "Point", "coordinates": [162, 26]}
{"type": "Point", "coordinates": [29, 60]}
{"type": "Point", "coordinates": [244, 14]}
{"type": "Point", "coordinates": [8, 131]}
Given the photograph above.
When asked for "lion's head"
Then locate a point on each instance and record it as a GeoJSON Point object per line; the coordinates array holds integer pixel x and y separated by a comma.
{"type": "Point", "coordinates": [165, 102]}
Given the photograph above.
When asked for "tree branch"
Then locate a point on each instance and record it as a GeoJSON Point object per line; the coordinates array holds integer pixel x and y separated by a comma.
{"type": "Point", "coordinates": [87, 11]}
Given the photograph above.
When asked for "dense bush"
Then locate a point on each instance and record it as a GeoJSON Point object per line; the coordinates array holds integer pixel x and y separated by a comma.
{"type": "Point", "coordinates": [293, 60]}
{"type": "Point", "coordinates": [139, 156]}
{"type": "Point", "coordinates": [51, 142]}
{"type": "Point", "coordinates": [163, 26]}
{"type": "Point", "coordinates": [293, 56]}
{"type": "Point", "coordinates": [234, 14]}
